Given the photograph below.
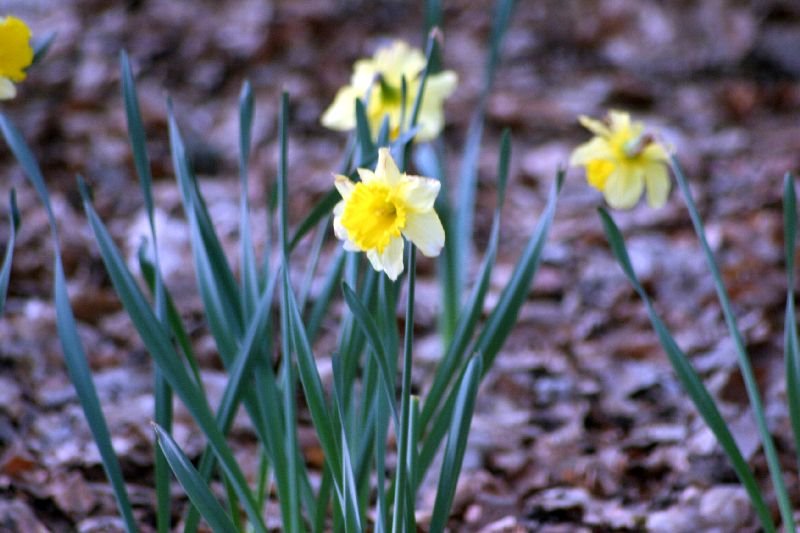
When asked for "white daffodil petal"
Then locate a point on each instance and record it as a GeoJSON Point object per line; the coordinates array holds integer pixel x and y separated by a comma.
{"type": "Point", "coordinates": [623, 189]}
{"type": "Point", "coordinates": [344, 185]}
{"type": "Point", "coordinates": [440, 86]}
{"type": "Point", "coordinates": [7, 89]}
{"type": "Point", "coordinates": [375, 260]}
{"type": "Point", "coordinates": [366, 175]}
{"type": "Point", "coordinates": [420, 193]}
{"type": "Point", "coordinates": [658, 184]}
{"type": "Point", "coordinates": [597, 148]}
{"type": "Point", "coordinates": [426, 232]}
{"type": "Point", "coordinates": [386, 168]}
{"type": "Point", "coordinates": [364, 71]}
{"type": "Point", "coordinates": [341, 115]}
{"type": "Point", "coordinates": [430, 123]}
{"type": "Point", "coordinates": [340, 231]}
{"type": "Point", "coordinates": [392, 258]}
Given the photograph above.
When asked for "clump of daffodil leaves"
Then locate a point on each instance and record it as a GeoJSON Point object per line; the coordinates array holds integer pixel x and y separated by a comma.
{"type": "Point", "coordinates": [378, 81]}
{"type": "Point", "coordinates": [622, 159]}
{"type": "Point", "coordinates": [16, 54]}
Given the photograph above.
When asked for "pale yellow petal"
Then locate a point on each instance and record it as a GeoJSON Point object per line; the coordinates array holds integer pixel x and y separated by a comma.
{"type": "Point", "coordinates": [398, 60]}
{"type": "Point", "coordinates": [341, 115]}
{"type": "Point", "coordinates": [7, 89]}
{"type": "Point", "coordinates": [623, 188]}
{"type": "Point", "coordinates": [620, 120]}
{"type": "Point", "coordinates": [387, 170]}
{"type": "Point", "coordinates": [344, 185]}
{"type": "Point", "coordinates": [431, 111]}
{"type": "Point", "coordinates": [364, 72]}
{"type": "Point", "coordinates": [419, 193]}
{"type": "Point", "coordinates": [596, 148]}
{"type": "Point", "coordinates": [658, 184]}
{"type": "Point", "coordinates": [430, 122]}
{"type": "Point", "coordinates": [440, 86]}
{"type": "Point", "coordinates": [655, 152]}
{"type": "Point", "coordinates": [595, 126]}
{"type": "Point", "coordinates": [426, 232]}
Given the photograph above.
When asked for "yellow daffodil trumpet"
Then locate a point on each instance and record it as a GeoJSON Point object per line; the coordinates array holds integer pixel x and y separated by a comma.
{"type": "Point", "coordinates": [621, 160]}
{"type": "Point", "coordinates": [386, 205]}
{"type": "Point", "coordinates": [378, 81]}
{"type": "Point", "coordinates": [16, 54]}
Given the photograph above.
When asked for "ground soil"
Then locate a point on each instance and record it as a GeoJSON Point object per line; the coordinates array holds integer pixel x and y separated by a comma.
{"type": "Point", "coordinates": [581, 425]}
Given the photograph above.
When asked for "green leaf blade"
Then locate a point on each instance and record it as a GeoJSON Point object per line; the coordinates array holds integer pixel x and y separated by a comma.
{"type": "Point", "coordinates": [197, 490]}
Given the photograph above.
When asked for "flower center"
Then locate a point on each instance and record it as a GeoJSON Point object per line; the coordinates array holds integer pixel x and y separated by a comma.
{"type": "Point", "coordinates": [373, 215]}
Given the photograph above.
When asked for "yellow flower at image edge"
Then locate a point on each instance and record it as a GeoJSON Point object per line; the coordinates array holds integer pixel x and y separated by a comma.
{"type": "Point", "coordinates": [379, 82]}
{"type": "Point", "coordinates": [16, 54]}
{"type": "Point", "coordinates": [621, 160]}
{"type": "Point", "coordinates": [376, 213]}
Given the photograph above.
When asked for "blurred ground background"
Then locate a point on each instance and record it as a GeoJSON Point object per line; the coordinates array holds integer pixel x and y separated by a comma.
{"type": "Point", "coordinates": [581, 425]}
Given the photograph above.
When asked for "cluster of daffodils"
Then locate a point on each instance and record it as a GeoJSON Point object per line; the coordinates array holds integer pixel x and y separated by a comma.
{"type": "Point", "coordinates": [386, 206]}
{"type": "Point", "coordinates": [16, 54]}
{"type": "Point", "coordinates": [621, 159]}
{"type": "Point", "coordinates": [378, 81]}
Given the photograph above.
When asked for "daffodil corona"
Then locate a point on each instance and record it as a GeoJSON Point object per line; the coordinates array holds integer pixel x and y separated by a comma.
{"type": "Point", "coordinates": [379, 82]}
{"type": "Point", "coordinates": [621, 159]}
{"type": "Point", "coordinates": [386, 205]}
{"type": "Point", "coordinates": [16, 54]}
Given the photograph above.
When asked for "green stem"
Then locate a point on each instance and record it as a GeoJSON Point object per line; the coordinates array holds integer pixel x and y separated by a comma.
{"type": "Point", "coordinates": [751, 385]}
{"type": "Point", "coordinates": [402, 486]}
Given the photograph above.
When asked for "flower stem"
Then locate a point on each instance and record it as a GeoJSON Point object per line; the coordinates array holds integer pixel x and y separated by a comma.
{"type": "Point", "coordinates": [403, 518]}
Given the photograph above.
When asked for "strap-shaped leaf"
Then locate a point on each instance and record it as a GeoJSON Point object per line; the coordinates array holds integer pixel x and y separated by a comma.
{"type": "Point", "coordinates": [370, 329]}
{"type": "Point", "coordinates": [13, 226]}
{"type": "Point", "coordinates": [456, 444]}
{"type": "Point", "coordinates": [249, 270]}
{"type": "Point", "coordinates": [41, 45]}
{"type": "Point", "coordinates": [74, 355]}
{"type": "Point", "coordinates": [688, 377]}
{"type": "Point", "coordinates": [750, 383]}
{"type": "Point", "coordinates": [403, 517]}
{"type": "Point", "coordinates": [504, 315]}
{"type": "Point", "coordinates": [471, 313]}
{"type": "Point", "coordinates": [162, 391]}
{"type": "Point", "coordinates": [197, 490]}
{"type": "Point", "coordinates": [157, 341]}
{"type": "Point", "coordinates": [460, 233]}
{"type": "Point", "coordinates": [501, 320]}
{"type": "Point", "coordinates": [791, 344]}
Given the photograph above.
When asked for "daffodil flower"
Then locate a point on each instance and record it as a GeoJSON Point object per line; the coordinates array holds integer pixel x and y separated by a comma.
{"type": "Point", "coordinates": [386, 205]}
{"type": "Point", "coordinates": [16, 54]}
{"type": "Point", "coordinates": [621, 159]}
{"type": "Point", "coordinates": [378, 81]}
